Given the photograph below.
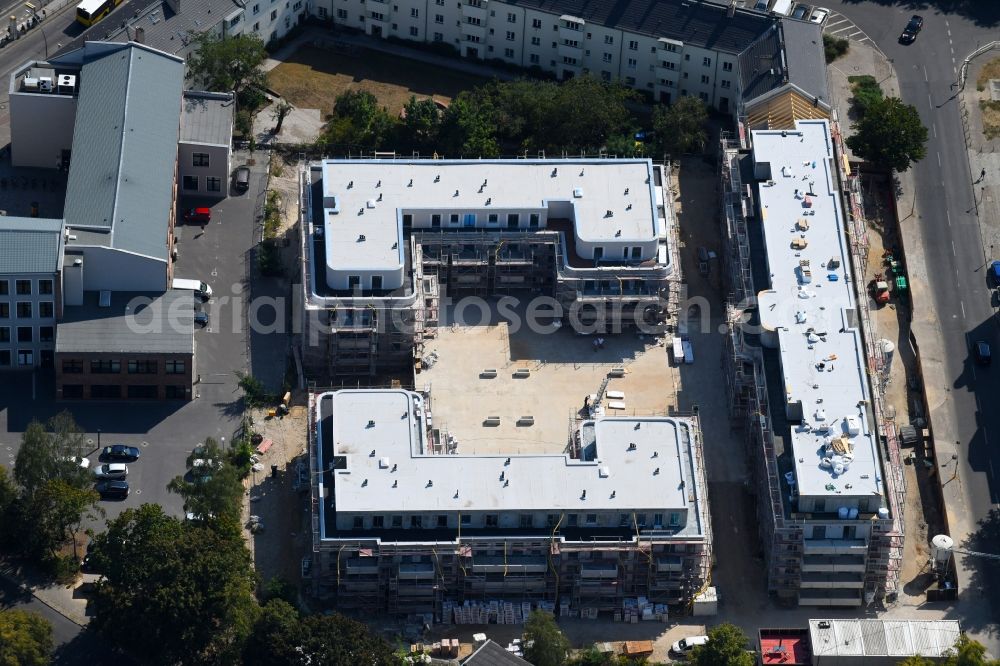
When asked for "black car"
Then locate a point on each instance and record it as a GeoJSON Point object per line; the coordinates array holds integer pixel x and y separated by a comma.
{"type": "Point", "coordinates": [120, 452]}
{"type": "Point", "coordinates": [911, 30]}
{"type": "Point", "coordinates": [241, 179]}
{"type": "Point", "coordinates": [112, 489]}
{"type": "Point", "coordinates": [982, 352]}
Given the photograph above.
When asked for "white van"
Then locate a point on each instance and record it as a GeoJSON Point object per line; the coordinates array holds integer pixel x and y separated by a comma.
{"type": "Point", "coordinates": [783, 7]}
{"type": "Point", "coordinates": [685, 645]}
{"type": "Point", "coordinates": [201, 289]}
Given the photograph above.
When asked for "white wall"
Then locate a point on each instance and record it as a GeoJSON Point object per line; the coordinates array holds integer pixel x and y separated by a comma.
{"type": "Point", "coordinates": [41, 127]}
{"type": "Point", "coordinates": [218, 167]}
{"type": "Point", "coordinates": [106, 268]}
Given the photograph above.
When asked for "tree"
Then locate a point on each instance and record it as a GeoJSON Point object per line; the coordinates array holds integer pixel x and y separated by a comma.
{"type": "Point", "coordinates": [281, 637]}
{"type": "Point", "coordinates": [889, 135]}
{"type": "Point", "coordinates": [214, 489]}
{"type": "Point", "coordinates": [44, 456]}
{"type": "Point", "coordinates": [420, 125]}
{"type": "Point", "coordinates": [281, 110]}
{"type": "Point", "coordinates": [726, 646]}
{"type": "Point", "coordinates": [57, 511]}
{"type": "Point", "coordinates": [230, 63]}
{"type": "Point", "coordinates": [358, 119]}
{"type": "Point", "coordinates": [834, 47]}
{"type": "Point", "coordinates": [173, 591]}
{"type": "Point", "coordinates": [680, 127]}
{"type": "Point", "coordinates": [25, 639]}
{"type": "Point", "coordinates": [467, 129]}
{"type": "Point", "coordinates": [547, 644]}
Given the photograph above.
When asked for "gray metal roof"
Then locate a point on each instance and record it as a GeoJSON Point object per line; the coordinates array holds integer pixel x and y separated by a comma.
{"type": "Point", "coordinates": [30, 245]}
{"type": "Point", "coordinates": [493, 654]}
{"type": "Point", "coordinates": [207, 117]}
{"type": "Point", "coordinates": [125, 146]}
{"type": "Point", "coordinates": [696, 23]}
{"type": "Point", "coordinates": [153, 323]}
{"type": "Point", "coordinates": [791, 53]}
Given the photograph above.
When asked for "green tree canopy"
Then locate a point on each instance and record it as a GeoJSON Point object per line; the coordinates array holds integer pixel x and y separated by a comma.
{"type": "Point", "coordinates": [230, 63]}
{"type": "Point", "coordinates": [47, 455]}
{"type": "Point", "coordinates": [25, 639]}
{"type": "Point", "coordinates": [173, 591]}
{"type": "Point", "coordinates": [359, 119]}
{"type": "Point", "coordinates": [420, 126]}
{"type": "Point", "coordinates": [966, 652]}
{"type": "Point", "coordinates": [547, 646]}
{"type": "Point", "coordinates": [726, 646]}
{"type": "Point", "coordinates": [281, 636]}
{"type": "Point", "coordinates": [889, 135]}
{"type": "Point", "coordinates": [680, 127]}
{"type": "Point", "coordinates": [214, 490]}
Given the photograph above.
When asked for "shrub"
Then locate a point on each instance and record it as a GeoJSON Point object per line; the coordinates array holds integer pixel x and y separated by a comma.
{"type": "Point", "coordinates": [834, 47]}
{"type": "Point", "coordinates": [866, 92]}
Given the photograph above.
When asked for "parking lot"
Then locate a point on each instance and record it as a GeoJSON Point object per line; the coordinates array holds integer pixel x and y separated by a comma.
{"type": "Point", "coordinates": [165, 432]}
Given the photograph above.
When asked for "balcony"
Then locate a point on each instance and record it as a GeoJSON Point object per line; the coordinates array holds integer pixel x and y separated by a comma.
{"type": "Point", "coordinates": [477, 31]}
{"type": "Point", "coordinates": [663, 70]}
{"type": "Point", "coordinates": [833, 563]}
{"type": "Point", "coordinates": [379, 18]}
{"type": "Point", "coordinates": [673, 563]}
{"type": "Point", "coordinates": [833, 581]}
{"type": "Point", "coordinates": [829, 598]}
{"type": "Point", "coordinates": [571, 28]}
{"type": "Point", "coordinates": [573, 49]}
{"type": "Point", "coordinates": [513, 565]}
{"type": "Point", "coordinates": [599, 571]}
{"type": "Point", "coordinates": [834, 546]}
{"type": "Point", "coordinates": [417, 571]}
{"type": "Point", "coordinates": [474, 9]}
{"type": "Point", "coordinates": [363, 566]}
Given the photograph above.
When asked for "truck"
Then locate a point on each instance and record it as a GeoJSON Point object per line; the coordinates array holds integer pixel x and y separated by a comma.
{"type": "Point", "coordinates": [201, 289]}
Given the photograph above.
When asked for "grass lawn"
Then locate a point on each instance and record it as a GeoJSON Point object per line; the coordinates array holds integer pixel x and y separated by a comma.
{"type": "Point", "coordinates": [312, 78]}
{"type": "Point", "coordinates": [991, 70]}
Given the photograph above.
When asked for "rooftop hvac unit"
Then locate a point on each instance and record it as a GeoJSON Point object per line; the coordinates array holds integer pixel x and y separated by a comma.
{"type": "Point", "coordinates": [31, 83]}
{"type": "Point", "coordinates": [45, 84]}
{"type": "Point", "coordinates": [66, 84]}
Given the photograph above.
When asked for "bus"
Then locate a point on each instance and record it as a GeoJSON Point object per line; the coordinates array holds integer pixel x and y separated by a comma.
{"type": "Point", "coordinates": [90, 12]}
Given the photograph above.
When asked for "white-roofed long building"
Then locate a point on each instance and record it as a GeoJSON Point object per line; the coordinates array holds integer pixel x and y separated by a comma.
{"type": "Point", "coordinates": [830, 517]}
{"type": "Point", "coordinates": [399, 528]}
{"type": "Point", "coordinates": [383, 238]}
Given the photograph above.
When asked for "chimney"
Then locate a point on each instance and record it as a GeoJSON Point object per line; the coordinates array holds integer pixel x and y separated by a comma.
{"type": "Point", "coordinates": [140, 36]}
{"type": "Point", "coordinates": [73, 281]}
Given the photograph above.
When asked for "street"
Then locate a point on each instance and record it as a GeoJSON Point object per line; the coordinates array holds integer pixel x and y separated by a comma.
{"type": "Point", "coordinates": [946, 212]}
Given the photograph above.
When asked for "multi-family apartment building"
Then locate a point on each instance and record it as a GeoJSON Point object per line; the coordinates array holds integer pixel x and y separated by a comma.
{"type": "Point", "coordinates": [30, 290]}
{"type": "Point", "coordinates": [383, 238]}
{"type": "Point", "coordinates": [829, 500]}
{"type": "Point", "coordinates": [401, 527]}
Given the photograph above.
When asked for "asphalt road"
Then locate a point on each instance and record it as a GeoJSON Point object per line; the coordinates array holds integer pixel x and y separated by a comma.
{"type": "Point", "coordinates": [948, 223]}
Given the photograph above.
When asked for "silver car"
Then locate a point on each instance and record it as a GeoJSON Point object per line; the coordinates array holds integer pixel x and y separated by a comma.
{"type": "Point", "coordinates": [111, 471]}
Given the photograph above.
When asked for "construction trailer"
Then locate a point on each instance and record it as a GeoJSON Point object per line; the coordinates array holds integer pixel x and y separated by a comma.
{"type": "Point", "coordinates": [385, 241]}
{"type": "Point", "coordinates": [401, 529]}
{"type": "Point", "coordinates": [827, 478]}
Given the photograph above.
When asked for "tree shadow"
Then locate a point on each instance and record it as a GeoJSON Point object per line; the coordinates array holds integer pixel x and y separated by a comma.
{"type": "Point", "coordinates": [984, 571]}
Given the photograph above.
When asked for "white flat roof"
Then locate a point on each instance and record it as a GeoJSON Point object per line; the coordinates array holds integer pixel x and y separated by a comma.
{"type": "Point", "coordinates": [822, 357]}
{"type": "Point", "coordinates": [864, 638]}
{"type": "Point", "coordinates": [655, 474]}
{"type": "Point", "coordinates": [510, 185]}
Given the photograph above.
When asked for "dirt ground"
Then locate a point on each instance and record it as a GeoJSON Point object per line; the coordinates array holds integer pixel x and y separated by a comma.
{"type": "Point", "coordinates": [312, 78]}
{"type": "Point", "coordinates": [990, 109]}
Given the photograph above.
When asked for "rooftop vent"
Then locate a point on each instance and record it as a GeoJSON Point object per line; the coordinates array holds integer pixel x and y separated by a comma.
{"type": "Point", "coordinates": [577, 192]}
{"type": "Point", "coordinates": [604, 471]}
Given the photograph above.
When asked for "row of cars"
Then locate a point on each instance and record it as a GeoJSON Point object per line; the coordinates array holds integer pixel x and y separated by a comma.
{"type": "Point", "coordinates": [113, 470]}
{"type": "Point", "coordinates": [800, 11]}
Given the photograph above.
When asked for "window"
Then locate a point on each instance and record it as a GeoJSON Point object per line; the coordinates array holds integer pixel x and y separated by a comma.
{"type": "Point", "coordinates": [141, 367]}
{"type": "Point", "coordinates": [606, 57]}
{"type": "Point", "coordinates": [668, 65]}
{"type": "Point", "coordinates": [598, 253]}
{"type": "Point", "coordinates": [511, 17]}
{"type": "Point", "coordinates": [105, 367]}
{"type": "Point", "coordinates": [633, 46]}
{"type": "Point", "coordinates": [707, 62]}
{"type": "Point", "coordinates": [174, 367]}
{"type": "Point", "coordinates": [353, 281]}
{"type": "Point", "coordinates": [472, 20]}
{"type": "Point", "coordinates": [671, 48]}
{"type": "Point", "coordinates": [4, 358]}
{"type": "Point", "coordinates": [533, 58]}
{"type": "Point", "coordinates": [513, 220]}
{"type": "Point", "coordinates": [536, 23]}
{"type": "Point", "coordinates": [106, 391]}
{"type": "Point", "coordinates": [637, 253]}
{"type": "Point", "coordinates": [72, 367]}
{"type": "Point", "coordinates": [341, 14]}
{"type": "Point", "coordinates": [4, 333]}
{"type": "Point", "coordinates": [608, 39]}
{"type": "Point", "coordinates": [510, 35]}
{"type": "Point", "coordinates": [632, 62]}
{"type": "Point", "coordinates": [256, 10]}
{"type": "Point", "coordinates": [442, 521]}
{"type": "Point", "coordinates": [435, 220]}
{"type": "Point", "coordinates": [376, 282]}
{"type": "Point", "coordinates": [24, 333]}
{"type": "Point", "coordinates": [439, 19]}
{"type": "Point", "coordinates": [4, 287]}
{"type": "Point", "coordinates": [605, 75]}
{"type": "Point", "coordinates": [359, 522]}
{"type": "Point", "coordinates": [727, 67]}
{"type": "Point", "coordinates": [439, 2]}
{"type": "Point", "coordinates": [416, 521]}
{"type": "Point", "coordinates": [492, 520]}
{"type": "Point", "coordinates": [414, 32]}
{"type": "Point", "coordinates": [256, 26]}
{"type": "Point", "coordinates": [23, 287]}
{"type": "Point", "coordinates": [213, 184]}
{"type": "Point", "coordinates": [508, 53]}
{"type": "Point", "coordinates": [572, 520]}
{"type": "Point", "coordinates": [526, 520]}
{"type": "Point", "coordinates": [591, 519]}
{"type": "Point", "coordinates": [571, 42]}
{"type": "Point", "coordinates": [45, 286]}
{"type": "Point", "coordinates": [536, 41]}
{"type": "Point", "coordinates": [24, 310]}
{"type": "Point", "coordinates": [199, 159]}
{"type": "Point", "coordinates": [378, 522]}
{"type": "Point", "coordinates": [453, 218]}
{"type": "Point", "coordinates": [552, 519]}
{"type": "Point", "coordinates": [704, 79]}
{"type": "Point", "coordinates": [46, 309]}
{"type": "Point", "coordinates": [191, 183]}
{"type": "Point", "coordinates": [4, 310]}
{"type": "Point", "coordinates": [414, 12]}
{"type": "Point", "coordinates": [172, 392]}
{"type": "Point", "coordinates": [321, 12]}
{"type": "Point", "coordinates": [142, 392]}
{"type": "Point", "coordinates": [640, 518]}
{"type": "Point", "coordinates": [438, 37]}
{"type": "Point", "coordinates": [274, 14]}
{"type": "Point", "coordinates": [675, 518]}
{"type": "Point", "coordinates": [466, 519]}
{"type": "Point", "coordinates": [26, 357]}
{"type": "Point", "coordinates": [569, 61]}
{"type": "Point", "coordinates": [533, 219]}
{"type": "Point", "coordinates": [725, 84]}
{"type": "Point", "coordinates": [703, 96]}
{"type": "Point", "coordinates": [630, 80]}
{"type": "Point", "coordinates": [397, 521]}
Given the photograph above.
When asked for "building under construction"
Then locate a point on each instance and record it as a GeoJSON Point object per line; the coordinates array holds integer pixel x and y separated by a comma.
{"type": "Point", "coordinates": [403, 525]}
{"type": "Point", "coordinates": [386, 240]}
{"type": "Point", "coordinates": [805, 373]}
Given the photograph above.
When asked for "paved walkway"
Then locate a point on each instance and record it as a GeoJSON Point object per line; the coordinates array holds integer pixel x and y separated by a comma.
{"type": "Point", "coordinates": [984, 157]}
{"type": "Point", "coordinates": [59, 598]}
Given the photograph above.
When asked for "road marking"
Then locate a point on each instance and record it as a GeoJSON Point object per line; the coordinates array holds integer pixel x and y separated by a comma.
{"type": "Point", "coordinates": [939, 159]}
{"type": "Point", "coordinates": [925, 73]}
{"type": "Point", "coordinates": [953, 253]}
{"type": "Point", "coordinates": [856, 32]}
{"type": "Point", "coordinates": [962, 303]}
{"type": "Point", "coordinates": [930, 103]}
{"type": "Point", "coordinates": [934, 127]}
{"type": "Point", "coordinates": [948, 213]}
{"type": "Point", "coordinates": [949, 32]}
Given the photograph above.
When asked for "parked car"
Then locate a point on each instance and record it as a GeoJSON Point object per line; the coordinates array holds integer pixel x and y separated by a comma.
{"type": "Point", "coordinates": [911, 30]}
{"type": "Point", "coordinates": [112, 489]}
{"type": "Point", "coordinates": [120, 452]}
{"type": "Point", "coordinates": [994, 272]}
{"type": "Point", "coordinates": [111, 471]}
{"type": "Point", "coordinates": [819, 15]}
{"type": "Point", "coordinates": [201, 317]}
{"type": "Point", "coordinates": [801, 12]}
{"type": "Point", "coordinates": [241, 179]}
{"type": "Point", "coordinates": [982, 352]}
{"type": "Point", "coordinates": [685, 645]}
{"type": "Point", "coordinates": [199, 215]}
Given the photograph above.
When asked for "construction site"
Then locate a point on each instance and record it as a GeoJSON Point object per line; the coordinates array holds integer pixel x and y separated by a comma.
{"type": "Point", "coordinates": [827, 470]}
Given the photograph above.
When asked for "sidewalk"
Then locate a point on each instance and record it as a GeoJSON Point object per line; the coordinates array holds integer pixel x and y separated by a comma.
{"type": "Point", "coordinates": [984, 154]}
{"type": "Point", "coordinates": [59, 598]}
